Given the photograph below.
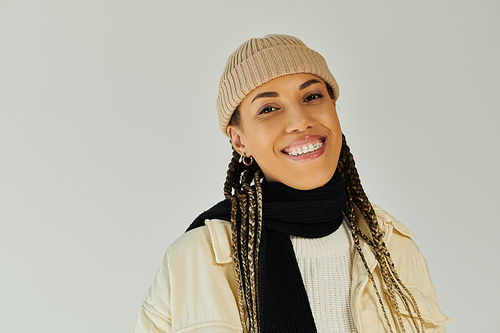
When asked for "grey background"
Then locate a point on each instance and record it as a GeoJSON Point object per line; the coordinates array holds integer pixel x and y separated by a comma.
{"type": "Point", "coordinates": [109, 143]}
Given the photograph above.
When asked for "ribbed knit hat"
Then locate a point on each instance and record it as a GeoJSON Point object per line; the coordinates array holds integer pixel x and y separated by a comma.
{"type": "Point", "coordinates": [259, 60]}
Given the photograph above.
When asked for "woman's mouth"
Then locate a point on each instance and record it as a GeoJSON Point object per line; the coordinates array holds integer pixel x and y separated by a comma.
{"type": "Point", "coordinates": [304, 146]}
{"type": "Point", "coordinates": [306, 149]}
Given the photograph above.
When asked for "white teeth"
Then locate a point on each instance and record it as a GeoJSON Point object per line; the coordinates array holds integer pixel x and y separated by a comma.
{"type": "Point", "coordinates": [306, 149]}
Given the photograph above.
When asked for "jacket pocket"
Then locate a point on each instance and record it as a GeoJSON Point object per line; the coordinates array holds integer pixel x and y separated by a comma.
{"type": "Point", "coordinates": [427, 305]}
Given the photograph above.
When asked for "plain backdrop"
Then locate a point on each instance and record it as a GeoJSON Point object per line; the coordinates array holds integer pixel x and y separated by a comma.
{"type": "Point", "coordinates": [110, 147]}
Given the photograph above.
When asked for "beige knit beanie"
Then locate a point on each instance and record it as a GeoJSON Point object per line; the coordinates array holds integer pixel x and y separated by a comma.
{"type": "Point", "coordinates": [259, 60]}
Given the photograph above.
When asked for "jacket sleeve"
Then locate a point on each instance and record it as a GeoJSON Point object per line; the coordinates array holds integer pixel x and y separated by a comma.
{"type": "Point", "coordinates": [155, 312]}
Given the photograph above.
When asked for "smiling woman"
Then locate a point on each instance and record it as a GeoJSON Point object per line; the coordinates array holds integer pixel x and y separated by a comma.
{"type": "Point", "coordinates": [296, 246]}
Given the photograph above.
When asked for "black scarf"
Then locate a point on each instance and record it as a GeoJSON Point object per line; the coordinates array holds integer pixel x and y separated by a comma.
{"type": "Point", "coordinates": [283, 302]}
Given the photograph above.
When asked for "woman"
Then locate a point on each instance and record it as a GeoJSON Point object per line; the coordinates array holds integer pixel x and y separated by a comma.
{"type": "Point", "coordinates": [296, 246]}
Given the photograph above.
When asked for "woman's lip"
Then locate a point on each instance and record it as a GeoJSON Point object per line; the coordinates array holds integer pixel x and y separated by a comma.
{"type": "Point", "coordinates": [304, 141]}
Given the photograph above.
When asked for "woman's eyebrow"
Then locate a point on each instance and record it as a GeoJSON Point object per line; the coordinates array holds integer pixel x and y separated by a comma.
{"type": "Point", "coordinates": [266, 94]}
{"type": "Point", "coordinates": [308, 83]}
{"type": "Point", "coordinates": [275, 94]}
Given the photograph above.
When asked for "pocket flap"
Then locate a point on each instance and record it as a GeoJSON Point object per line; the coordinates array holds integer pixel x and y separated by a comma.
{"type": "Point", "coordinates": [429, 308]}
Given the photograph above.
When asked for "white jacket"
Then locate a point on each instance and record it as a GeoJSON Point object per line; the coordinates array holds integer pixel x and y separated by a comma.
{"type": "Point", "coordinates": [195, 288]}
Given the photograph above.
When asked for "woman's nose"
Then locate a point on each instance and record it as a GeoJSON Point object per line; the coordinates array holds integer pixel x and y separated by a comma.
{"type": "Point", "coordinates": [298, 119]}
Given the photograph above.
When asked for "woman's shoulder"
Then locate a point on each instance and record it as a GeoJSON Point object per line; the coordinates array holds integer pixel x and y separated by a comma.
{"type": "Point", "coordinates": [399, 239]}
{"type": "Point", "coordinates": [385, 220]}
{"type": "Point", "coordinates": [407, 257]}
{"type": "Point", "coordinates": [210, 240]}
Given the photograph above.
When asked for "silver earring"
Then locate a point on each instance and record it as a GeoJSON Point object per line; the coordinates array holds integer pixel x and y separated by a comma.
{"type": "Point", "coordinates": [243, 159]}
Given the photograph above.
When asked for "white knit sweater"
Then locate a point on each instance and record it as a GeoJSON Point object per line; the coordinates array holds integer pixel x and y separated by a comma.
{"type": "Point", "coordinates": [325, 265]}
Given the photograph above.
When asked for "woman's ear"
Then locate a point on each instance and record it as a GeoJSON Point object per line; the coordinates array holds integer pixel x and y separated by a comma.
{"type": "Point", "coordinates": [237, 139]}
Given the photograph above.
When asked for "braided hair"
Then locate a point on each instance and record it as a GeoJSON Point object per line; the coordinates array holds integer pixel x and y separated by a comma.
{"type": "Point", "coordinates": [242, 189]}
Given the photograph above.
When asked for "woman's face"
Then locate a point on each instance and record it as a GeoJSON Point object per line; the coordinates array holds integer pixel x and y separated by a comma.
{"type": "Point", "coordinates": [290, 127]}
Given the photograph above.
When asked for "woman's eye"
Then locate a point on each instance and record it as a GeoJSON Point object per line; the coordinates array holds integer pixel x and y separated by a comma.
{"type": "Point", "coordinates": [313, 97]}
{"type": "Point", "coordinates": [267, 109]}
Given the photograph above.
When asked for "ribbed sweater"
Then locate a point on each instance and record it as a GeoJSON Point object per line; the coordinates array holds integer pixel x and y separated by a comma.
{"type": "Point", "coordinates": [325, 265]}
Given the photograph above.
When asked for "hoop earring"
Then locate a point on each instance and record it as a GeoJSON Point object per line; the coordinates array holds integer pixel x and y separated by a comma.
{"type": "Point", "coordinates": [243, 159]}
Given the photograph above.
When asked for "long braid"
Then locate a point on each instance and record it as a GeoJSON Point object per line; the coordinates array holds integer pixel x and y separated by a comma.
{"type": "Point", "coordinates": [349, 174]}
{"type": "Point", "coordinates": [258, 188]}
{"type": "Point", "coordinates": [243, 202]}
{"type": "Point", "coordinates": [242, 188]}
{"type": "Point", "coordinates": [232, 172]}
{"type": "Point", "coordinates": [357, 198]}
{"type": "Point", "coordinates": [250, 272]}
